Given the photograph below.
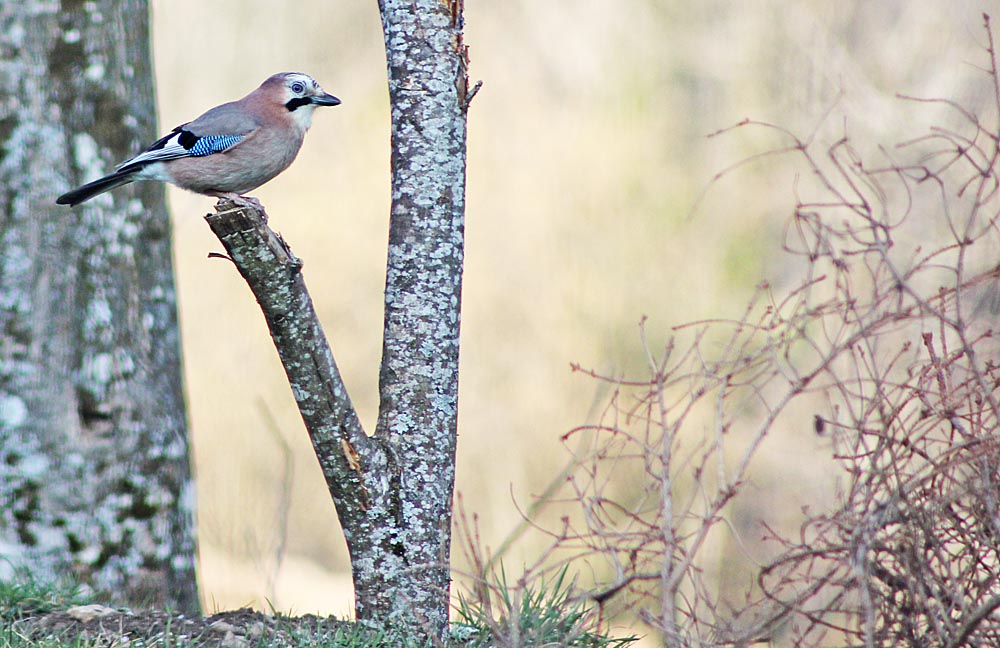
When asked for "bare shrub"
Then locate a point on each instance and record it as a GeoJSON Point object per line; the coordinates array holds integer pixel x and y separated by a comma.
{"type": "Point", "coordinates": [886, 340]}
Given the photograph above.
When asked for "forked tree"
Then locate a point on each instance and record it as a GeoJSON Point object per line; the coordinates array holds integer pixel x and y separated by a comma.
{"type": "Point", "coordinates": [393, 489]}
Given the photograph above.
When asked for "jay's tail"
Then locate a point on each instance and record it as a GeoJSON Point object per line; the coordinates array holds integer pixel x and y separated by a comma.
{"type": "Point", "coordinates": [99, 186]}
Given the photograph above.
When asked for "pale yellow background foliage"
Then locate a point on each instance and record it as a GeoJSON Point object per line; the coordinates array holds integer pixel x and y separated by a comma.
{"type": "Point", "coordinates": [586, 155]}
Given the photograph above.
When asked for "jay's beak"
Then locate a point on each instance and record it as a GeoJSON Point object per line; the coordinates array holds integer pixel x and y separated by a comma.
{"type": "Point", "coordinates": [326, 100]}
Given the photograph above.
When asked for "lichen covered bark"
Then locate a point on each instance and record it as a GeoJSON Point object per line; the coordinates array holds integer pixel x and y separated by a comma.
{"type": "Point", "coordinates": [409, 573]}
{"type": "Point", "coordinates": [393, 490]}
{"type": "Point", "coordinates": [94, 470]}
{"type": "Point", "coordinates": [351, 463]}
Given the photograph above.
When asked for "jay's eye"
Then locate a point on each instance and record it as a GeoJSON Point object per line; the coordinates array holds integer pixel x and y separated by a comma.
{"type": "Point", "coordinates": [298, 88]}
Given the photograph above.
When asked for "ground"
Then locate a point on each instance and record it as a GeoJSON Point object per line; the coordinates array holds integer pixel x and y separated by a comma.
{"type": "Point", "coordinates": [97, 625]}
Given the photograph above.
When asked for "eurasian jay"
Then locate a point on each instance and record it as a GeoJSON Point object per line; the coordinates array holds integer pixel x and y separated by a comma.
{"type": "Point", "coordinates": [231, 149]}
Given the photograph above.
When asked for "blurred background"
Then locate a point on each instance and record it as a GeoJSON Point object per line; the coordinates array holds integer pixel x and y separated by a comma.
{"type": "Point", "coordinates": [588, 159]}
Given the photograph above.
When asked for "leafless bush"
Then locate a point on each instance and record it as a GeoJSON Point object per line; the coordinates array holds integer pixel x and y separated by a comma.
{"type": "Point", "coordinates": [887, 336]}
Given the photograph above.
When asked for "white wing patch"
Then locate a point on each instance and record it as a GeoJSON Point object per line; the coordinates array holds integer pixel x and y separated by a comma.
{"type": "Point", "coordinates": [165, 148]}
{"type": "Point", "coordinates": [183, 143]}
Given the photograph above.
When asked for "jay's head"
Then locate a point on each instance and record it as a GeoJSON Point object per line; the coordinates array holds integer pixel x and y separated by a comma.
{"type": "Point", "coordinates": [298, 94]}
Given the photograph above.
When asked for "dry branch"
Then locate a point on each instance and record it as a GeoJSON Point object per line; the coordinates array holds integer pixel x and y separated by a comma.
{"type": "Point", "coordinates": [884, 340]}
{"type": "Point", "coordinates": [273, 274]}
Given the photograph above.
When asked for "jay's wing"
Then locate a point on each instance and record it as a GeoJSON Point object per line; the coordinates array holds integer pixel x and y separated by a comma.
{"type": "Point", "coordinates": [216, 131]}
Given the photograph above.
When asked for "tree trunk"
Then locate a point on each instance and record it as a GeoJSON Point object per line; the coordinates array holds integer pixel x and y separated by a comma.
{"type": "Point", "coordinates": [94, 469]}
{"type": "Point", "coordinates": [418, 378]}
{"type": "Point", "coordinates": [393, 490]}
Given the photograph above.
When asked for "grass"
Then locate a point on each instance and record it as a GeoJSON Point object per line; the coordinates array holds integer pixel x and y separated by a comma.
{"type": "Point", "coordinates": [542, 614]}
{"type": "Point", "coordinates": [24, 596]}
{"type": "Point", "coordinates": [38, 615]}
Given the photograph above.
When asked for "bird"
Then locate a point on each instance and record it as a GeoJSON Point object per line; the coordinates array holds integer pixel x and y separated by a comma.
{"type": "Point", "coordinates": [230, 149]}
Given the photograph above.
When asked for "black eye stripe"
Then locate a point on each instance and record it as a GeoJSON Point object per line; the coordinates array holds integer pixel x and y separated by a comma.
{"type": "Point", "coordinates": [298, 102]}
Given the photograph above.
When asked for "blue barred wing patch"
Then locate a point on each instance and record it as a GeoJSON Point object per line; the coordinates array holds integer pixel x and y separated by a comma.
{"type": "Point", "coordinates": [213, 144]}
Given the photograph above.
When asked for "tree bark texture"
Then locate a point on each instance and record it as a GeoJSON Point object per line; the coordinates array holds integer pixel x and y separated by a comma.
{"type": "Point", "coordinates": [393, 490]}
{"type": "Point", "coordinates": [95, 477]}
{"type": "Point", "coordinates": [418, 378]}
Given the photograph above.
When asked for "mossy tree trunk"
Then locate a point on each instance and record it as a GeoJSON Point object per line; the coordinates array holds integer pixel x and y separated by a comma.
{"type": "Point", "coordinates": [95, 479]}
